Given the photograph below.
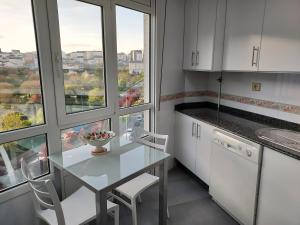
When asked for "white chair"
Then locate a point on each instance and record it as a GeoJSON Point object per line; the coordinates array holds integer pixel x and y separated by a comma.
{"type": "Point", "coordinates": [133, 189]}
{"type": "Point", "coordinates": [77, 209]}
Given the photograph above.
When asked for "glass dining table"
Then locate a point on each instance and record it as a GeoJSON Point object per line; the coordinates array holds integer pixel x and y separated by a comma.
{"type": "Point", "coordinates": [101, 174]}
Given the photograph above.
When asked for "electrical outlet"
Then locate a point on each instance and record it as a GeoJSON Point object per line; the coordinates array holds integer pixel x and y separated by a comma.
{"type": "Point", "coordinates": [256, 86]}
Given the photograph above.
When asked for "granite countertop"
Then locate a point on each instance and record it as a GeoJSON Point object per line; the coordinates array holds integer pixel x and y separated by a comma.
{"type": "Point", "coordinates": [241, 123]}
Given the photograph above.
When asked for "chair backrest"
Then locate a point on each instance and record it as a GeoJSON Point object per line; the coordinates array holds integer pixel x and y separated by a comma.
{"type": "Point", "coordinates": [151, 139]}
{"type": "Point", "coordinates": [44, 193]}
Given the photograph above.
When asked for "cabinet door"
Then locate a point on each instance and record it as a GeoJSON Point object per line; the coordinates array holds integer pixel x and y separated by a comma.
{"type": "Point", "coordinates": [190, 34]}
{"type": "Point", "coordinates": [280, 50]}
{"type": "Point", "coordinates": [206, 32]}
{"type": "Point", "coordinates": [185, 141]}
{"type": "Point", "coordinates": [203, 151]}
{"type": "Point", "coordinates": [279, 197]}
{"type": "Point", "coordinates": [244, 21]}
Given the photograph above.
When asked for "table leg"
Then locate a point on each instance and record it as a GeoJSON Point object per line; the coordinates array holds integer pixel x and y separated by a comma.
{"type": "Point", "coordinates": [163, 183]}
{"type": "Point", "coordinates": [101, 208]}
{"type": "Point", "coordinates": [57, 181]}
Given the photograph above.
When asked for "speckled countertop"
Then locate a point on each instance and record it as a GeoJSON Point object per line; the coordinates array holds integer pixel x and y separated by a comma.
{"type": "Point", "coordinates": [241, 123]}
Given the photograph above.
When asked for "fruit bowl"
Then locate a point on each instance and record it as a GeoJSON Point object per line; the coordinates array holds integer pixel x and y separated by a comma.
{"type": "Point", "coordinates": [99, 139]}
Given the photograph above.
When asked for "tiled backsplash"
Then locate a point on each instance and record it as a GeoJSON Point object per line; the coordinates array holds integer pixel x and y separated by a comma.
{"type": "Point", "coordinates": [279, 96]}
{"type": "Point", "coordinates": [241, 99]}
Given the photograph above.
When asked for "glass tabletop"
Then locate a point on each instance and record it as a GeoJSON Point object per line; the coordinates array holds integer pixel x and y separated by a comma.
{"type": "Point", "coordinates": [100, 172]}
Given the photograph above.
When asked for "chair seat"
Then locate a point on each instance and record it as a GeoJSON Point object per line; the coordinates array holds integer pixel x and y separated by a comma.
{"type": "Point", "coordinates": [137, 185]}
{"type": "Point", "coordinates": [78, 208]}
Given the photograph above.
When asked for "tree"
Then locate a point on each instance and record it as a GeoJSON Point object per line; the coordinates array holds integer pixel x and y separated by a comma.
{"type": "Point", "coordinates": [99, 74]}
{"type": "Point", "coordinates": [14, 120]}
{"type": "Point", "coordinates": [122, 84]}
{"type": "Point", "coordinates": [96, 97]}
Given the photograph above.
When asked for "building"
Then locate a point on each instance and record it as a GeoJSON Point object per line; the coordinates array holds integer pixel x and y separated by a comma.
{"type": "Point", "coordinates": [136, 56]}
{"type": "Point", "coordinates": [136, 68]}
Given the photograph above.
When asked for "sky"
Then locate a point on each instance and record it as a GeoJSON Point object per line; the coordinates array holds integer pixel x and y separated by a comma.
{"type": "Point", "coordinates": [80, 27]}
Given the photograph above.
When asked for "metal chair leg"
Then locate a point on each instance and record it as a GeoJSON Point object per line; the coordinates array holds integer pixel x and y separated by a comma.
{"type": "Point", "coordinates": [116, 215]}
{"type": "Point", "coordinates": [133, 211]}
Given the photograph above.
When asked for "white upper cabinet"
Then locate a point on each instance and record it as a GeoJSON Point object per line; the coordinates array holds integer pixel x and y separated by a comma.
{"type": "Point", "coordinates": [244, 22]}
{"type": "Point", "coordinates": [203, 38]}
{"type": "Point", "coordinates": [280, 50]}
{"type": "Point", "coordinates": [190, 36]}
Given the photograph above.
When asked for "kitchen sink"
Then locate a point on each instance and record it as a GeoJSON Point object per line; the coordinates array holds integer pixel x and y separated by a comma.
{"type": "Point", "coordinates": [285, 138]}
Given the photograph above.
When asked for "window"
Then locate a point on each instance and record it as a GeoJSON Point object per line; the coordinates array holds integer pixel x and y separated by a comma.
{"type": "Point", "coordinates": [133, 33]}
{"type": "Point", "coordinates": [21, 95]}
{"type": "Point", "coordinates": [81, 39]}
{"type": "Point", "coordinates": [21, 103]}
{"type": "Point", "coordinates": [128, 124]}
{"type": "Point", "coordinates": [72, 137]}
{"type": "Point", "coordinates": [33, 149]}
{"type": "Point", "coordinates": [58, 77]}
{"type": "Point", "coordinates": [134, 77]}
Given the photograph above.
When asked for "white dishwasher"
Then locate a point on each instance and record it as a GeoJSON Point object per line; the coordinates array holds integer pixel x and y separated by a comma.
{"type": "Point", "coordinates": [235, 165]}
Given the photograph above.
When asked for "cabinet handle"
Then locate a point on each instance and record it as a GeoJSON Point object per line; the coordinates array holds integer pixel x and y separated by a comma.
{"type": "Point", "coordinates": [193, 56]}
{"type": "Point", "coordinates": [255, 56]}
{"type": "Point", "coordinates": [193, 129]}
{"type": "Point", "coordinates": [198, 131]}
{"type": "Point", "coordinates": [197, 58]}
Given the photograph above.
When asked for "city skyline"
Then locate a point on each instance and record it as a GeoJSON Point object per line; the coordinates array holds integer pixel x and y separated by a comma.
{"type": "Point", "coordinates": [20, 24]}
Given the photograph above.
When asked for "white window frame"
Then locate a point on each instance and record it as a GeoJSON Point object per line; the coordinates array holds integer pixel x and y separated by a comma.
{"type": "Point", "coordinates": [144, 8]}
{"type": "Point", "coordinates": [112, 111]}
{"type": "Point", "coordinates": [48, 47]}
{"type": "Point", "coordinates": [49, 128]}
{"type": "Point", "coordinates": [94, 114]}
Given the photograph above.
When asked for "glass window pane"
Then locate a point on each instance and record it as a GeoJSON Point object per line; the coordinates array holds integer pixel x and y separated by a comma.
{"type": "Point", "coordinates": [72, 137]}
{"type": "Point", "coordinates": [81, 38]}
{"type": "Point", "coordinates": [33, 149]}
{"type": "Point", "coordinates": [20, 84]}
{"type": "Point", "coordinates": [133, 41]}
{"type": "Point", "coordinates": [133, 123]}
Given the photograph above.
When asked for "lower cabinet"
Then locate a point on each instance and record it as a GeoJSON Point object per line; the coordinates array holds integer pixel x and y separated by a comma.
{"type": "Point", "coordinates": [279, 197]}
{"type": "Point", "coordinates": [185, 141]}
{"type": "Point", "coordinates": [203, 151]}
{"type": "Point", "coordinates": [193, 145]}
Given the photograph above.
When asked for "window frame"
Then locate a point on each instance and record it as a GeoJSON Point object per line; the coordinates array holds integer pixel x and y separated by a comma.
{"type": "Point", "coordinates": [93, 114]}
{"type": "Point", "coordinates": [49, 129]}
{"type": "Point", "coordinates": [150, 10]}
{"type": "Point", "coordinates": [48, 47]}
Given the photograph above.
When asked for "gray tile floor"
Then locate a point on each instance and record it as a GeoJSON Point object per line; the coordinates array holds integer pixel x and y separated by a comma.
{"type": "Point", "coordinates": [189, 204]}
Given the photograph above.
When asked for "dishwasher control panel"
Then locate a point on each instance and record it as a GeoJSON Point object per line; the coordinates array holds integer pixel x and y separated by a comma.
{"type": "Point", "coordinates": [237, 145]}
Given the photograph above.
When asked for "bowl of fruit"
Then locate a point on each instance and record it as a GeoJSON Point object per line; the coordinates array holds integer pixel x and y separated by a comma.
{"type": "Point", "coordinates": [99, 139]}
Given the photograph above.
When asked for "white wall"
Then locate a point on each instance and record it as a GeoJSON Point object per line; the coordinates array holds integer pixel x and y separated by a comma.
{"type": "Point", "coordinates": [195, 81]}
{"type": "Point", "coordinates": [172, 76]}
